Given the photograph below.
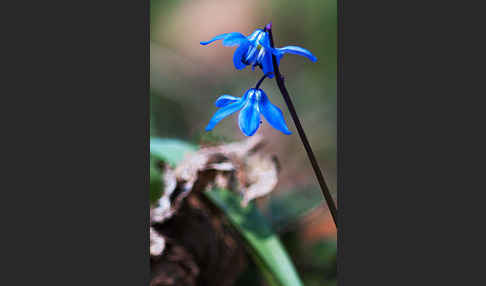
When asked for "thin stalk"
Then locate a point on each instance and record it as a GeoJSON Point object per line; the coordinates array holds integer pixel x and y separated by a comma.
{"type": "Point", "coordinates": [261, 80]}
{"type": "Point", "coordinates": [303, 137]}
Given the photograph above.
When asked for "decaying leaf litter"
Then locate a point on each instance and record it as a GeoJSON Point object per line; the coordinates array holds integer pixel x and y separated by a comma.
{"type": "Point", "coordinates": [239, 167]}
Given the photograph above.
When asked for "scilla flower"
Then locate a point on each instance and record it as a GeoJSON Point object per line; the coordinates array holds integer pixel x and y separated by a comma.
{"type": "Point", "coordinates": [255, 50]}
{"type": "Point", "coordinates": [253, 102]}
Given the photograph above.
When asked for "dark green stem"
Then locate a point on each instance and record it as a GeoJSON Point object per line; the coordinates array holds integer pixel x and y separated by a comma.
{"type": "Point", "coordinates": [261, 80]}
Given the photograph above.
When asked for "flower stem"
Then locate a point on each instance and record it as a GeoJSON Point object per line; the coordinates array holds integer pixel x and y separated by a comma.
{"type": "Point", "coordinates": [261, 80]}
{"type": "Point", "coordinates": [303, 137]}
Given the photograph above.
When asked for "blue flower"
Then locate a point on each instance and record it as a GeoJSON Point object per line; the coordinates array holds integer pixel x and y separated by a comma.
{"type": "Point", "coordinates": [253, 102]}
{"type": "Point", "coordinates": [255, 50]}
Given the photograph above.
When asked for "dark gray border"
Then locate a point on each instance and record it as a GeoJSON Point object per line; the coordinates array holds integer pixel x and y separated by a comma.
{"type": "Point", "coordinates": [408, 130]}
{"type": "Point", "coordinates": [80, 144]}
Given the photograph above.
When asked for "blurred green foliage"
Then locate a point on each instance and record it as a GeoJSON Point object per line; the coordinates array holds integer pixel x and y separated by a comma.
{"type": "Point", "coordinates": [170, 151]}
{"type": "Point", "coordinates": [316, 261]}
{"type": "Point", "coordinates": [287, 208]}
{"type": "Point", "coordinates": [156, 185]}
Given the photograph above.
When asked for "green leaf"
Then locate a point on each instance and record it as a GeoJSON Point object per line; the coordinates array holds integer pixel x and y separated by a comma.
{"type": "Point", "coordinates": [171, 150]}
{"type": "Point", "coordinates": [266, 248]}
{"type": "Point", "coordinates": [156, 184]}
{"type": "Point", "coordinates": [264, 245]}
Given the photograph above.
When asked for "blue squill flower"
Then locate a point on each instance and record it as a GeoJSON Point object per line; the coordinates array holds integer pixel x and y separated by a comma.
{"type": "Point", "coordinates": [253, 102]}
{"type": "Point", "coordinates": [256, 50]}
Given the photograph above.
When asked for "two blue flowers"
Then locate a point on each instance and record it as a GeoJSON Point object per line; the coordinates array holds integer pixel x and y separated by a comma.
{"type": "Point", "coordinates": [254, 50]}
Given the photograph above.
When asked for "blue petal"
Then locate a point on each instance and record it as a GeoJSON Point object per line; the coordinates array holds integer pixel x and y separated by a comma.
{"type": "Point", "coordinates": [225, 99]}
{"type": "Point", "coordinates": [233, 39]}
{"type": "Point", "coordinates": [265, 42]}
{"type": "Point", "coordinates": [229, 39]}
{"type": "Point", "coordinates": [267, 64]}
{"type": "Point", "coordinates": [272, 113]}
{"type": "Point", "coordinates": [223, 112]}
{"type": "Point", "coordinates": [253, 36]}
{"type": "Point", "coordinates": [249, 118]}
{"type": "Point", "coordinates": [218, 37]}
{"type": "Point", "coordinates": [279, 52]}
{"type": "Point", "coordinates": [238, 55]}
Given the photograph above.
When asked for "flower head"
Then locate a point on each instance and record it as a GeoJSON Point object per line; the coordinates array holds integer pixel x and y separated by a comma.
{"type": "Point", "coordinates": [253, 102]}
{"type": "Point", "coordinates": [255, 50]}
